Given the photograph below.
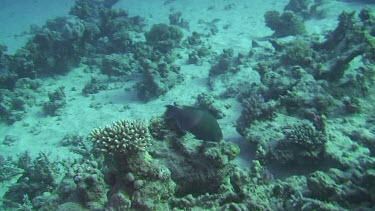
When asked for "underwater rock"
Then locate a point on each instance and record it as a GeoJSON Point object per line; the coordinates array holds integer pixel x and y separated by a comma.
{"type": "Point", "coordinates": [45, 200]}
{"type": "Point", "coordinates": [297, 6]}
{"type": "Point", "coordinates": [297, 52]}
{"type": "Point", "coordinates": [237, 192]}
{"type": "Point", "coordinates": [152, 185]}
{"type": "Point", "coordinates": [191, 161]}
{"type": "Point", "coordinates": [220, 155]}
{"type": "Point", "coordinates": [308, 96]}
{"type": "Point", "coordinates": [353, 38]}
{"type": "Point", "coordinates": [193, 58]}
{"type": "Point", "coordinates": [294, 88]}
{"type": "Point", "coordinates": [196, 121]}
{"type": "Point", "coordinates": [209, 103]}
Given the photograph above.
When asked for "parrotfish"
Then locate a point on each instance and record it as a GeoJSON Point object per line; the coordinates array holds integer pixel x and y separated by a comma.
{"type": "Point", "coordinates": [199, 122]}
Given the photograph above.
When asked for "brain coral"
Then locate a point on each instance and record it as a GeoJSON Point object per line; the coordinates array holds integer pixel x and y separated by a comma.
{"type": "Point", "coordinates": [121, 136]}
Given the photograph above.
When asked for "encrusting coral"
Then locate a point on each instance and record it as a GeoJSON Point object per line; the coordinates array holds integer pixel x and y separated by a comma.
{"type": "Point", "coordinates": [122, 136]}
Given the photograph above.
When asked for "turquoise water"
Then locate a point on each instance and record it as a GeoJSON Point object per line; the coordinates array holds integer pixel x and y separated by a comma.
{"type": "Point", "coordinates": [272, 105]}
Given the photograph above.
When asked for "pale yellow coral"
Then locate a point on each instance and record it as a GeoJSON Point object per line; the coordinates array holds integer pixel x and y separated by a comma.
{"type": "Point", "coordinates": [122, 136]}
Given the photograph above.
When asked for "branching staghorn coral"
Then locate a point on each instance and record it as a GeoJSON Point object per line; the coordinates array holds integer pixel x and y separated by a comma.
{"type": "Point", "coordinates": [122, 136]}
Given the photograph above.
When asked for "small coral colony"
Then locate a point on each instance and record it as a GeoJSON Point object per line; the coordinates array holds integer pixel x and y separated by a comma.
{"type": "Point", "coordinates": [308, 119]}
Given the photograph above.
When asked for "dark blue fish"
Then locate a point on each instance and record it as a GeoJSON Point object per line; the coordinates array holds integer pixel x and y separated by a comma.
{"type": "Point", "coordinates": [196, 121]}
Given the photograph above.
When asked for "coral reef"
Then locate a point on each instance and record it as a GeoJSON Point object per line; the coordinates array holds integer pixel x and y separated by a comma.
{"type": "Point", "coordinates": [91, 188]}
{"type": "Point", "coordinates": [193, 162]}
{"type": "Point", "coordinates": [122, 137]}
{"type": "Point", "coordinates": [163, 37]}
{"type": "Point", "coordinates": [91, 10]}
{"type": "Point", "coordinates": [200, 51]}
{"type": "Point", "coordinates": [137, 180]}
{"type": "Point", "coordinates": [117, 65]}
{"type": "Point", "coordinates": [3, 58]}
{"type": "Point", "coordinates": [8, 80]}
{"type": "Point", "coordinates": [297, 52]}
{"type": "Point", "coordinates": [158, 79]}
{"type": "Point", "coordinates": [12, 107]}
{"type": "Point", "coordinates": [56, 102]}
{"type": "Point", "coordinates": [146, 182]}
{"type": "Point", "coordinates": [107, 30]}
{"type": "Point", "coordinates": [352, 38]}
{"type": "Point", "coordinates": [38, 176]}
{"type": "Point", "coordinates": [57, 47]}
{"type": "Point", "coordinates": [306, 8]}
{"type": "Point", "coordinates": [94, 86]}
{"type": "Point", "coordinates": [347, 189]}
{"type": "Point", "coordinates": [363, 137]}
{"type": "Point", "coordinates": [306, 115]}
{"type": "Point", "coordinates": [9, 169]}
{"type": "Point", "coordinates": [176, 19]}
{"type": "Point", "coordinates": [255, 108]}
{"type": "Point", "coordinates": [72, 140]}
{"type": "Point", "coordinates": [302, 145]}
{"type": "Point", "coordinates": [284, 24]}
{"type": "Point", "coordinates": [225, 63]}
{"type": "Point", "coordinates": [14, 103]}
